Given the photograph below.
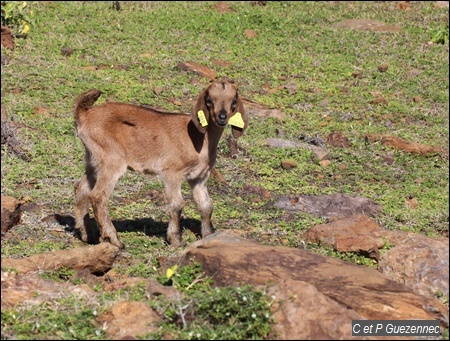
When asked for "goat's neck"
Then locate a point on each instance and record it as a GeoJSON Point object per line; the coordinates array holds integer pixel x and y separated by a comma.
{"type": "Point", "coordinates": [212, 138]}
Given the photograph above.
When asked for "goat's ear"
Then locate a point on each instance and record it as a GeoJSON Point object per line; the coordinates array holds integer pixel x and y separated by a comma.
{"type": "Point", "coordinates": [236, 130]}
{"type": "Point", "coordinates": [200, 113]}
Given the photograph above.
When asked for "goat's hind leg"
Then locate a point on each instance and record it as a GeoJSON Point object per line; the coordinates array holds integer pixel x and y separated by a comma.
{"type": "Point", "coordinates": [81, 208]}
{"type": "Point", "coordinates": [99, 196]}
{"type": "Point", "coordinates": [204, 204]}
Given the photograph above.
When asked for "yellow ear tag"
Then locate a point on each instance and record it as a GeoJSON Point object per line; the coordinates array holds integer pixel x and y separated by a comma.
{"type": "Point", "coordinates": [202, 118]}
{"type": "Point", "coordinates": [237, 120]}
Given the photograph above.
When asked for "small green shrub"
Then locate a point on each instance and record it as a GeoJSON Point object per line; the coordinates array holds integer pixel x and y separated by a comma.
{"type": "Point", "coordinates": [61, 275]}
{"type": "Point", "coordinates": [228, 313]}
{"type": "Point", "coordinates": [185, 277]}
{"type": "Point", "coordinates": [440, 36]}
{"type": "Point", "coordinates": [63, 319]}
{"type": "Point", "coordinates": [17, 16]}
{"type": "Point", "coordinates": [207, 313]}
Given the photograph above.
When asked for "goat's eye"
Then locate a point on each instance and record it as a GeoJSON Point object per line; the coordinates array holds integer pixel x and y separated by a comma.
{"type": "Point", "coordinates": [234, 103]}
{"type": "Point", "coordinates": [209, 102]}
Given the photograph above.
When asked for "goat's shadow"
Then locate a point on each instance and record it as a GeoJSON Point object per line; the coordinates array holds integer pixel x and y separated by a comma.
{"type": "Point", "coordinates": [148, 226]}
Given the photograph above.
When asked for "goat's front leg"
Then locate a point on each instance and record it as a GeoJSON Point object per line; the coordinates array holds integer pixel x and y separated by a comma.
{"type": "Point", "coordinates": [174, 205]}
{"type": "Point", "coordinates": [204, 204]}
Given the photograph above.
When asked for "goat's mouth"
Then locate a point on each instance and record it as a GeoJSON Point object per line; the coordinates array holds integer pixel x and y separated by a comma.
{"type": "Point", "coordinates": [221, 122]}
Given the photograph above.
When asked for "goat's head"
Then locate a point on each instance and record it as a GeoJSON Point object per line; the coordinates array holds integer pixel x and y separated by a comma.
{"type": "Point", "coordinates": [216, 105]}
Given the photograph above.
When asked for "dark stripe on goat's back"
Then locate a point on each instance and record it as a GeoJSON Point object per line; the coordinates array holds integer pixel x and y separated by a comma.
{"type": "Point", "coordinates": [128, 123]}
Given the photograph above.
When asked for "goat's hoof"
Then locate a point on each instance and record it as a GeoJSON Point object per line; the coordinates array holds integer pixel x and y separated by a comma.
{"type": "Point", "coordinates": [119, 244]}
{"type": "Point", "coordinates": [176, 242]}
{"type": "Point", "coordinates": [113, 241]}
{"type": "Point", "coordinates": [207, 233]}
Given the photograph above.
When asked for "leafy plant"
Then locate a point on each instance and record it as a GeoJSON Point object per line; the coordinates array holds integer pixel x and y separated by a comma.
{"type": "Point", "coordinates": [17, 16]}
{"type": "Point", "coordinates": [185, 277]}
{"type": "Point", "coordinates": [228, 313]}
{"type": "Point", "coordinates": [61, 275]}
{"type": "Point", "coordinates": [64, 319]}
{"type": "Point", "coordinates": [440, 36]}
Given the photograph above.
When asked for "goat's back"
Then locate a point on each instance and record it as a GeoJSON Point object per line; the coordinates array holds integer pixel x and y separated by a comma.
{"type": "Point", "coordinates": [149, 141]}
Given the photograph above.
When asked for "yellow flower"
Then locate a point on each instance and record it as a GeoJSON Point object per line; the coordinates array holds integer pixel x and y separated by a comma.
{"type": "Point", "coordinates": [171, 271]}
{"type": "Point", "coordinates": [25, 29]}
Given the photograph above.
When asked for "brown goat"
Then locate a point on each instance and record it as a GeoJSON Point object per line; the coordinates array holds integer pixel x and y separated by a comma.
{"type": "Point", "coordinates": [175, 147]}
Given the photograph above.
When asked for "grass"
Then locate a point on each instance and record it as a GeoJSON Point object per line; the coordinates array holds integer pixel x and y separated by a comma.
{"type": "Point", "coordinates": [128, 53]}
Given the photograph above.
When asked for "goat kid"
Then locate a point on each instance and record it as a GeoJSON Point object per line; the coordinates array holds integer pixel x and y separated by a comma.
{"type": "Point", "coordinates": [174, 146]}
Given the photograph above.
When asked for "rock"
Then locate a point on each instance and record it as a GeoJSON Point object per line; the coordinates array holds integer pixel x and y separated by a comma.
{"type": "Point", "coordinates": [357, 74]}
{"type": "Point", "coordinates": [311, 291]}
{"type": "Point", "coordinates": [31, 289]}
{"type": "Point", "coordinates": [420, 262]}
{"type": "Point", "coordinates": [403, 5]}
{"type": "Point", "coordinates": [250, 33]}
{"type": "Point", "coordinates": [264, 113]}
{"type": "Point", "coordinates": [199, 69]}
{"type": "Point", "coordinates": [7, 38]}
{"type": "Point", "coordinates": [379, 100]}
{"type": "Point", "coordinates": [324, 163]}
{"type": "Point", "coordinates": [235, 149]}
{"type": "Point", "coordinates": [67, 51]}
{"type": "Point", "coordinates": [338, 139]}
{"type": "Point", "coordinates": [280, 143]}
{"type": "Point", "coordinates": [291, 88]}
{"type": "Point", "coordinates": [11, 212]}
{"type": "Point", "coordinates": [121, 320]}
{"type": "Point", "coordinates": [222, 63]}
{"type": "Point", "coordinates": [263, 3]}
{"type": "Point", "coordinates": [410, 147]}
{"type": "Point", "coordinates": [222, 7]}
{"type": "Point", "coordinates": [256, 190]}
{"type": "Point", "coordinates": [320, 153]}
{"type": "Point", "coordinates": [297, 307]}
{"type": "Point", "coordinates": [366, 24]}
{"type": "Point", "coordinates": [329, 206]}
{"type": "Point", "coordinates": [383, 67]}
{"type": "Point", "coordinates": [5, 60]}
{"type": "Point", "coordinates": [441, 4]}
{"type": "Point", "coordinates": [97, 258]}
{"type": "Point", "coordinates": [288, 164]}
{"type": "Point", "coordinates": [129, 319]}
{"type": "Point", "coordinates": [413, 73]}
{"type": "Point", "coordinates": [357, 233]}
{"type": "Point", "coordinates": [248, 103]}
{"type": "Point", "coordinates": [152, 286]}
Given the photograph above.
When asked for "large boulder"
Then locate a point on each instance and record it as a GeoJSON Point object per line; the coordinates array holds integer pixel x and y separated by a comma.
{"type": "Point", "coordinates": [327, 293]}
{"type": "Point", "coordinates": [11, 212]}
{"type": "Point", "coordinates": [419, 262]}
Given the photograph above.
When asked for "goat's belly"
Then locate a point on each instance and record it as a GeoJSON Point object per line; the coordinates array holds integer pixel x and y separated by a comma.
{"type": "Point", "coordinates": [135, 167]}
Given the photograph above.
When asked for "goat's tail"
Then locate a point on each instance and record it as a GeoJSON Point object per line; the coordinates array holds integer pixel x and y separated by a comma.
{"type": "Point", "coordinates": [84, 102]}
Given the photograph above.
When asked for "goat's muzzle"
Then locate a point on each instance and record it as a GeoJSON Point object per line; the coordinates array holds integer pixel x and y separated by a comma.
{"type": "Point", "coordinates": [222, 118]}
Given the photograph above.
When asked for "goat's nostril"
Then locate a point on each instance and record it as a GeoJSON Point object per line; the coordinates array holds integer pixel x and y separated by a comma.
{"type": "Point", "coordinates": [222, 114]}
